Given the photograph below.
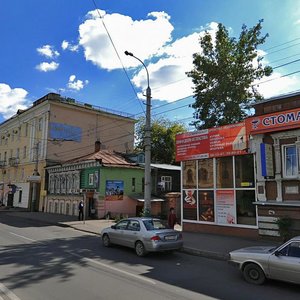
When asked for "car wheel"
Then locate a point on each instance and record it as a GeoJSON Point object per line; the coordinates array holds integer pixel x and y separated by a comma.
{"type": "Point", "coordinates": [106, 240]}
{"type": "Point", "coordinates": [254, 274]}
{"type": "Point", "coordinates": [140, 249]}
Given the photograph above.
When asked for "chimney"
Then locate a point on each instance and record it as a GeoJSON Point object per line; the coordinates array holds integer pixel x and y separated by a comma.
{"type": "Point", "coordinates": [97, 146]}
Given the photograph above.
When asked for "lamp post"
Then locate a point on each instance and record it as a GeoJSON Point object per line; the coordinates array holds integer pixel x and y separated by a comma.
{"type": "Point", "coordinates": [147, 144]}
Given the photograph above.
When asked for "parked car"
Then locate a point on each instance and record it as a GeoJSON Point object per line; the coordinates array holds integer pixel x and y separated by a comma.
{"type": "Point", "coordinates": [143, 234]}
{"type": "Point", "coordinates": [259, 263]}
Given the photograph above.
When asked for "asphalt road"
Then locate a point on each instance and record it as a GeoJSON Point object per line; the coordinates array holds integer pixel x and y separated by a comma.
{"type": "Point", "coordinates": [39, 261]}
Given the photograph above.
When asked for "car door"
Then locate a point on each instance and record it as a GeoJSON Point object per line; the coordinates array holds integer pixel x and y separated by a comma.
{"type": "Point", "coordinates": [285, 263]}
{"type": "Point", "coordinates": [117, 233]}
{"type": "Point", "coordinates": [132, 232]}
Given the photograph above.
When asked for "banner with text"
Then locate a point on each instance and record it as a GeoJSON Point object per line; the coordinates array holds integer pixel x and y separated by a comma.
{"type": "Point", "coordinates": [213, 142]}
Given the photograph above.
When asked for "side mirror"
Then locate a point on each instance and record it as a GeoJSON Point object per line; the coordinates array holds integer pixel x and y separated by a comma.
{"type": "Point", "coordinates": [113, 226]}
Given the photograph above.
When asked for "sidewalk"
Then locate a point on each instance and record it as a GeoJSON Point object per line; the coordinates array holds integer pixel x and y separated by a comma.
{"type": "Point", "coordinates": [202, 244]}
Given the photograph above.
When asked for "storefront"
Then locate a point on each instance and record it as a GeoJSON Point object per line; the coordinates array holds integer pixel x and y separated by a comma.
{"type": "Point", "coordinates": [218, 180]}
{"type": "Point", "coordinates": [275, 138]}
{"type": "Point", "coordinates": [243, 178]}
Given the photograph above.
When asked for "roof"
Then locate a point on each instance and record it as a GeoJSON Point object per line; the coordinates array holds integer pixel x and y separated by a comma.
{"type": "Point", "coordinates": [166, 167]}
{"type": "Point", "coordinates": [106, 158]}
{"type": "Point", "coordinates": [275, 98]}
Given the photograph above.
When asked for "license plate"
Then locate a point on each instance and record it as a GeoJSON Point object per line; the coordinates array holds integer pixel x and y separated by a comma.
{"type": "Point", "coordinates": [170, 237]}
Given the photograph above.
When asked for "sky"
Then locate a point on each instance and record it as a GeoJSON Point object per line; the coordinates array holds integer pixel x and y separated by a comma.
{"type": "Point", "coordinates": [76, 48]}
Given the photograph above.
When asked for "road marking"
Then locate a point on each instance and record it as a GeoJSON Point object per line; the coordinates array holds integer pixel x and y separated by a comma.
{"type": "Point", "coordinates": [7, 293]}
{"type": "Point", "coordinates": [23, 237]}
{"type": "Point", "coordinates": [139, 277]}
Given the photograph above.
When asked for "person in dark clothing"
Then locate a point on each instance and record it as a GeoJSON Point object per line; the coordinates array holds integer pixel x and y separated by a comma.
{"type": "Point", "coordinates": [80, 209]}
{"type": "Point", "coordinates": [172, 220]}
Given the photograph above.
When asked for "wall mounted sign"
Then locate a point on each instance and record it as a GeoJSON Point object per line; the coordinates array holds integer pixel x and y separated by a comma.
{"type": "Point", "coordinates": [274, 122]}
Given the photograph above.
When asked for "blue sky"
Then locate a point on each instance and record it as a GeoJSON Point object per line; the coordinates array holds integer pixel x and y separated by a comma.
{"type": "Point", "coordinates": [63, 47]}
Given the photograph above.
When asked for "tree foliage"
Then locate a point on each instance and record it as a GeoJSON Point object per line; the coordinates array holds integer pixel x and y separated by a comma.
{"type": "Point", "coordinates": [223, 76]}
{"type": "Point", "coordinates": [163, 132]}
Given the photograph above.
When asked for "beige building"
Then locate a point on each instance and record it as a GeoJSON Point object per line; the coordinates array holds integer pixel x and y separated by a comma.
{"type": "Point", "coordinates": [54, 129]}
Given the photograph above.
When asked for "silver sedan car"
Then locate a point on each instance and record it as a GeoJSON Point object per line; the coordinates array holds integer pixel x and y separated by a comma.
{"type": "Point", "coordinates": [143, 234]}
{"type": "Point", "coordinates": [259, 263]}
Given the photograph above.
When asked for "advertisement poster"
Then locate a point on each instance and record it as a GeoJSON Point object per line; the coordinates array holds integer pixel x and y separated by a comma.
{"type": "Point", "coordinates": [64, 132]}
{"type": "Point", "coordinates": [189, 174]}
{"type": "Point", "coordinates": [206, 206]}
{"type": "Point", "coordinates": [114, 190]}
{"type": "Point", "coordinates": [189, 199]}
{"type": "Point", "coordinates": [214, 142]}
{"type": "Point", "coordinates": [225, 208]}
{"type": "Point", "coordinates": [190, 204]}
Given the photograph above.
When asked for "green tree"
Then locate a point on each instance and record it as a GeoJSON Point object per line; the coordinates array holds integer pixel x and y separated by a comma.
{"type": "Point", "coordinates": [163, 132]}
{"type": "Point", "coordinates": [223, 76]}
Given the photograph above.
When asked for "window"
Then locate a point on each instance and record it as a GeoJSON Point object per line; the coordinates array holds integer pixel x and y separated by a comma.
{"type": "Point", "coordinates": [290, 161]}
{"type": "Point", "coordinates": [24, 151]}
{"type": "Point", "coordinates": [133, 184]}
{"type": "Point", "coordinates": [122, 225]}
{"type": "Point", "coordinates": [40, 124]}
{"type": "Point", "coordinates": [5, 156]}
{"type": "Point", "coordinates": [26, 129]}
{"type": "Point", "coordinates": [244, 171]}
{"type": "Point", "coordinates": [166, 183]}
{"type": "Point", "coordinates": [134, 225]}
{"type": "Point", "coordinates": [224, 172]}
{"type": "Point", "coordinates": [20, 196]}
{"type": "Point", "coordinates": [18, 153]}
{"type": "Point", "coordinates": [205, 173]}
{"type": "Point", "coordinates": [245, 209]}
{"type": "Point", "coordinates": [91, 179]}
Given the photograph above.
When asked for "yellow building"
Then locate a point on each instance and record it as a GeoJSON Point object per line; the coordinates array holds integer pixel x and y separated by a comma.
{"type": "Point", "coordinates": [54, 129]}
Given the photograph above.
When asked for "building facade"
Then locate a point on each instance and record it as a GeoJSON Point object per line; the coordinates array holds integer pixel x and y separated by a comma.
{"type": "Point", "coordinates": [54, 129]}
{"type": "Point", "coordinates": [104, 180]}
{"type": "Point", "coordinates": [243, 178]}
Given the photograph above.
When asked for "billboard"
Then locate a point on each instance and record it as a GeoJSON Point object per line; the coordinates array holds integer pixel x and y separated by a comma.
{"type": "Point", "coordinates": [64, 132]}
{"type": "Point", "coordinates": [114, 190]}
{"type": "Point", "coordinates": [213, 142]}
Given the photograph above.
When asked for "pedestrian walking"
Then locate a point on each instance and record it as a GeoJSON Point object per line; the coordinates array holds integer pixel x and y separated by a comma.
{"type": "Point", "coordinates": [80, 209]}
{"type": "Point", "coordinates": [172, 219]}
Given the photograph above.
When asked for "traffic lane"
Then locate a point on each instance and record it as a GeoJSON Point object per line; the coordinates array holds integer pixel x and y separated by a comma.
{"type": "Point", "coordinates": [59, 270]}
{"type": "Point", "coordinates": [184, 271]}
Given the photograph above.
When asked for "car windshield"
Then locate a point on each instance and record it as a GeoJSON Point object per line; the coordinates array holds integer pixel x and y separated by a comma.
{"type": "Point", "coordinates": [153, 224]}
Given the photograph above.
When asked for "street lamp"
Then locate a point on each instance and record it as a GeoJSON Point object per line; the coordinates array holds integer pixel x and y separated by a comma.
{"type": "Point", "coordinates": [147, 144]}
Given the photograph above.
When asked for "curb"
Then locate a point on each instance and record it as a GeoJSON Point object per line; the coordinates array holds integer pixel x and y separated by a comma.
{"type": "Point", "coordinates": [206, 254]}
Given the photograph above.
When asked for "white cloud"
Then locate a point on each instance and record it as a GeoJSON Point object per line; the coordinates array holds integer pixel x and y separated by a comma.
{"type": "Point", "coordinates": [65, 45]}
{"type": "Point", "coordinates": [48, 51]}
{"type": "Point", "coordinates": [143, 37]}
{"type": "Point", "coordinates": [151, 40]}
{"type": "Point", "coordinates": [11, 100]}
{"type": "Point", "coordinates": [273, 85]}
{"type": "Point", "coordinates": [46, 67]}
{"type": "Point", "coordinates": [77, 85]}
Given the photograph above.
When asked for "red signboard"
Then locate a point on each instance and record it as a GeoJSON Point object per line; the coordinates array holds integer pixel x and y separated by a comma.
{"type": "Point", "coordinates": [214, 142]}
{"type": "Point", "coordinates": [274, 122]}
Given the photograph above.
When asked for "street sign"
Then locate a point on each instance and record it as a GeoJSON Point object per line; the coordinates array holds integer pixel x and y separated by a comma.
{"type": "Point", "coordinates": [34, 178]}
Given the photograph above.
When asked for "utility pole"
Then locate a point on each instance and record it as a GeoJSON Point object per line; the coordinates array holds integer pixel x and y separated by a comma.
{"type": "Point", "coordinates": [147, 144]}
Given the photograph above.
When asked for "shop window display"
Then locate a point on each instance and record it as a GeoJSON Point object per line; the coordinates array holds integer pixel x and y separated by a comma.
{"type": "Point", "coordinates": [189, 204]}
{"type": "Point", "coordinates": [189, 174]}
{"type": "Point", "coordinates": [206, 206]}
{"type": "Point", "coordinates": [205, 173]}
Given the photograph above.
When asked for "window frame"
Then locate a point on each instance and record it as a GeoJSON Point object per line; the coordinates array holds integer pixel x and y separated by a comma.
{"type": "Point", "coordinates": [284, 160]}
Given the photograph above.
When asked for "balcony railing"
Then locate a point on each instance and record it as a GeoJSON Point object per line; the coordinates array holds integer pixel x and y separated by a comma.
{"type": "Point", "coordinates": [13, 161]}
{"type": "Point", "coordinates": [2, 163]}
